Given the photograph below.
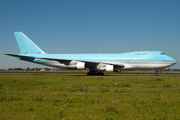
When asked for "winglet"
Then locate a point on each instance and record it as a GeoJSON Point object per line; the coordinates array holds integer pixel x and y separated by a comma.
{"type": "Point", "coordinates": [27, 46]}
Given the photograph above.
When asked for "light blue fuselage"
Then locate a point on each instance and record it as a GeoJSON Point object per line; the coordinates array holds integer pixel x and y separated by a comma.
{"type": "Point", "coordinates": [133, 60]}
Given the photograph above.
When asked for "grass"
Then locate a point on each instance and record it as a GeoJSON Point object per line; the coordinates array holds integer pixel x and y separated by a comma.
{"type": "Point", "coordinates": [89, 98]}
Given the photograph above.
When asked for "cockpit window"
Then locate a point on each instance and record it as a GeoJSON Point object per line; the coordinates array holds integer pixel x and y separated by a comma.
{"type": "Point", "coordinates": [162, 53]}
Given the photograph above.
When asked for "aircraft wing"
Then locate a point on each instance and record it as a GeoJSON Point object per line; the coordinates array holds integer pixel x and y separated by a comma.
{"type": "Point", "coordinates": [89, 64]}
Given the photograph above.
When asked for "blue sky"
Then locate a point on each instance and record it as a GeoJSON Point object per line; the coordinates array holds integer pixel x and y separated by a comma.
{"type": "Point", "coordinates": [90, 26]}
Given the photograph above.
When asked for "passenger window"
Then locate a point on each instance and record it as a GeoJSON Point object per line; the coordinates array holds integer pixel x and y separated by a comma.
{"type": "Point", "coordinates": [162, 53]}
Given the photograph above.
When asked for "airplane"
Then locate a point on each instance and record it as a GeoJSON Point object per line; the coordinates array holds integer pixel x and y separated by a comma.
{"type": "Point", "coordinates": [95, 63]}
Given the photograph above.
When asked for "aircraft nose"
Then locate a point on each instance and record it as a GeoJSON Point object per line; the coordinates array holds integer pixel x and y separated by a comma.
{"type": "Point", "coordinates": [170, 60]}
{"type": "Point", "coordinates": [173, 60]}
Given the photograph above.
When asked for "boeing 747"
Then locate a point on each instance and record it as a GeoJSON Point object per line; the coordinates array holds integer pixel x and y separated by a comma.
{"type": "Point", "coordinates": [95, 63]}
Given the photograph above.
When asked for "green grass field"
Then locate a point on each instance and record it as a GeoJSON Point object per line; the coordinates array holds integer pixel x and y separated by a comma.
{"type": "Point", "coordinates": [89, 98]}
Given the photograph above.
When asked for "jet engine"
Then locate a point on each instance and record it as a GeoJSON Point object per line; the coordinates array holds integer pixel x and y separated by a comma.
{"type": "Point", "coordinates": [80, 65]}
{"type": "Point", "coordinates": [109, 68]}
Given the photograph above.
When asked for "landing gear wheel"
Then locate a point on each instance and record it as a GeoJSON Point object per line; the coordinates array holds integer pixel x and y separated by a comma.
{"type": "Point", "coordinates": [95, 72]}
{"type": "Point", "coordinates": [101, 73]}
{"type": "Point", "coordinates": [157, 74]}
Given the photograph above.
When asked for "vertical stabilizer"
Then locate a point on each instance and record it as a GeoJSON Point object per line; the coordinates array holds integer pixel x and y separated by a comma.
{"type": "Point", "coordinates": [27, 46]}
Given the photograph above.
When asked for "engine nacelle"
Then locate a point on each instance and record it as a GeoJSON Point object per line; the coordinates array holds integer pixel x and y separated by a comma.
{"type": "Point", "coordinates": [109, 68]}
{"type": "Point", "coordinates": [80, 65]}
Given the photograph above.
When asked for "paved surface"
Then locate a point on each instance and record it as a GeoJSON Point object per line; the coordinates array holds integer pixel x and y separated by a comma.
{"type": "Point", "coordinates": [88, 76]}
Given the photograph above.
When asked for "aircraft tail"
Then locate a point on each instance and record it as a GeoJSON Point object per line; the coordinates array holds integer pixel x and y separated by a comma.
{"type": "Point", "coordinates": [27, 46]}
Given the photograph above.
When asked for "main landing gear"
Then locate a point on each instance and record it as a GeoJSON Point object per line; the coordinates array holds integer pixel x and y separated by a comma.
{"type": "Point", "coordinates": [157, 74]}
{"type": "Point", "coordinates": [95, 72]}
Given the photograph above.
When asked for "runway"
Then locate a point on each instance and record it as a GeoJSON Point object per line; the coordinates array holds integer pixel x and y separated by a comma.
{"type": "Point", "coordinates": [123, 75]}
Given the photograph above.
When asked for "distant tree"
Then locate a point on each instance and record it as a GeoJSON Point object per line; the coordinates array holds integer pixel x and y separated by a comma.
{"type": "Point", "coordinates": [28, 68]}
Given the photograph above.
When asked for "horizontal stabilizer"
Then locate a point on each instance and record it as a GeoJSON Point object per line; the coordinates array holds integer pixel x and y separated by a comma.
{"type": "Point", "coordinates": [21, 56]}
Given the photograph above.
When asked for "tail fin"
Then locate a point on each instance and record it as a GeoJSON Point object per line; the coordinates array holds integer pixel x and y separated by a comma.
{"type": "Point", "coordinates": [27, 46]}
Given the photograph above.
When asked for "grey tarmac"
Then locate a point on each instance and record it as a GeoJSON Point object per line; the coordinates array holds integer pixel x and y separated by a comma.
{"type": "Point", "coordinates": [89, 75]}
